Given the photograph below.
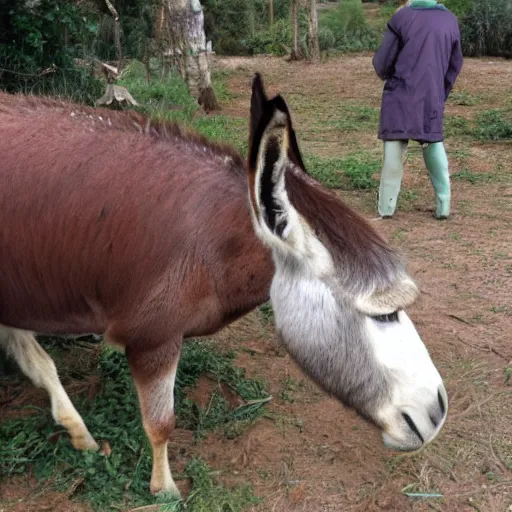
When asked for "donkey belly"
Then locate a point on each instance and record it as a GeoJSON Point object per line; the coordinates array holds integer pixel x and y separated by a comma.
{"type": "Point", "coordinates": [37, 312]}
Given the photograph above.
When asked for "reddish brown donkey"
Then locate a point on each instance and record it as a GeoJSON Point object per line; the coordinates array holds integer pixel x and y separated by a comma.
{"type": "Point", "coordinates": [115, 224]}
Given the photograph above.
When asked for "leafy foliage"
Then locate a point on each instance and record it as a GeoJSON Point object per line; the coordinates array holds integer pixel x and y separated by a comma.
{"type": "Point", "coordinates": [38, 46]}
{"type": "Point", "coordinates": [348, 27]}
{"type": "Point", "coordinates": [486, 26]}
{"type": "Point", "coordinates": [235, 26]}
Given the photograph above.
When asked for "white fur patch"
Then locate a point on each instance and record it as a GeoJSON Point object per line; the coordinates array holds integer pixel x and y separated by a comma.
{"type": "Point", "coordinates": [415, 380]}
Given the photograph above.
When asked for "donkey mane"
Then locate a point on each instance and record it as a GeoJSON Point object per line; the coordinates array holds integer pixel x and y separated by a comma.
{"type": "Point", "coordinates": [126, 121]}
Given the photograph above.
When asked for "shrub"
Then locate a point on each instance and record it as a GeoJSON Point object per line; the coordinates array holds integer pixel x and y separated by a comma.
{"type": "Point", "coordinates": [326, 38]}
{"type": "Point", "coordinates": [486, 28]}
{"type": "Point", "coordinates": [458, 7]}
{"type": "Point", "coordinates": [38, 46]}
{"type": "Point", "coordinates": [233, 24]}
{"type": "Point", "coordinates": [350, 27]}
{"type": "Point", "coordinates": [271, 40]}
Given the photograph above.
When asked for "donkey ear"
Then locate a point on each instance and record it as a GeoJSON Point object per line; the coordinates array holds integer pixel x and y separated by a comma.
{"type": "Point", "coordinates": [258, 102]}
{"type": "Point", "coordinates": [273, 150]}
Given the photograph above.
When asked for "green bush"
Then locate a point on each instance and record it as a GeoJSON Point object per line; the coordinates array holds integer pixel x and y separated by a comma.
{"type": "Point", "coordinates": [271, 40]}
{"type": "Point", "coordinates": [232, 24]}
{"type": "Point", "coordinates": [458, 7]}
{"type": "Point", "coordinates": [38, 46]}
{"type": "Point", "coordinates": [486, 28]}
{"type": "Point", "coordinates": [350, 27]}
{"type": "Point", "coordinates": [326, 38]}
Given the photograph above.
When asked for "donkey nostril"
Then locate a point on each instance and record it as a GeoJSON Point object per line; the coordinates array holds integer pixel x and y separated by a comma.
{"type": "Point", "coordinates": [434, 421]}
{"type": "Point", "coordinates": [441, 403]}
{"type": "Point", "coordinates": [412, 426]}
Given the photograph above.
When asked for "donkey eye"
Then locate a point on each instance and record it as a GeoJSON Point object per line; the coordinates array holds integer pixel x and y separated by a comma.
{"type": "Point", "coordinates": [391, 317]}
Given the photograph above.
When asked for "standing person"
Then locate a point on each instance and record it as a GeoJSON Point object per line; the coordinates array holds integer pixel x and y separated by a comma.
{"type": "Point", "coordinates": [419, 59]}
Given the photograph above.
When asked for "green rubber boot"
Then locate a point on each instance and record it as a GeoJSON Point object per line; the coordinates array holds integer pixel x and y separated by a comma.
{"type": "Point", "coordinates": [436, 162]}
{"type": "Point", "coordinates": [391, 176]}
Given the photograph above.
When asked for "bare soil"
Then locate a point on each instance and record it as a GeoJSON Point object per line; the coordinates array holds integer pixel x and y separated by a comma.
{"type": "Point", "coordinates": [309, 453]}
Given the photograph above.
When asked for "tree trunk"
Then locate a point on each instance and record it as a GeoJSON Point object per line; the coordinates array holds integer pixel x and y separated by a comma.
{"type": "Point", "coordinates": [271, 12]}
{"type": "Point", "coordinates": [117, 35]}
{"type": "Point", "coordinates": [313, 45]}
{"type": "Point", "coordinates": [295, 55]}
{"type": "Point", "coordinates": [188, 49]}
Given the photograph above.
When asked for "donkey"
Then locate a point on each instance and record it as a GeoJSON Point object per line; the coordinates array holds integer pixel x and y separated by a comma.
{"type": "Point", "coordinates": [135, 229]}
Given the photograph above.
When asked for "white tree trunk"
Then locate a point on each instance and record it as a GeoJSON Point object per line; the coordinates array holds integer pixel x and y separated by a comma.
{"type": "Point", "coordinates": [313, 44]}
{"type": "Point", "coordinates": [295, 54]}
{"type": "Point", "coordinates": [188, 49]}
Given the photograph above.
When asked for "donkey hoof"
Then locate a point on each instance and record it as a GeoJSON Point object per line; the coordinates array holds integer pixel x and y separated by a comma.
{"type": "Point", "coordinates": [85, 442]}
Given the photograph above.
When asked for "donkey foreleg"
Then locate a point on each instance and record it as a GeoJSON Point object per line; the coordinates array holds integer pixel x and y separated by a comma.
{"type": "Point", "coordinates": [38, 366]}
{"type": "Point", "coordinates": [154, 373]}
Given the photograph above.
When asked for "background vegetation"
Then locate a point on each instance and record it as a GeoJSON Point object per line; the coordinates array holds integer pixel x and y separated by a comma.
{"type": "Point", "coordinates": [50, 46]}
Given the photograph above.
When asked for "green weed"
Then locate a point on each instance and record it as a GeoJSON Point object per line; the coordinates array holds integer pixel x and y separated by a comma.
{"type": "Point", "coordinates": [352, 172]}
{"type": "Point", "coordinates": [168, 98]}
{"type": "Point", "coordinates": [121, 479]}
{"type": "Point", "coordinates": [508, 375]}
{"type": "Point", "coordinates": [208, 496]}
{"type": "Point", "coordinates": [229, 130]}
{"type": "Point", "coordinates": [472, 177]}
{"type": "Point", "coordinates": [457, 126]}
{"type": "Point", "coordinates": [463, 98]}
{"type": "Point", "coordinates": [288, 387]}
{"type": "Point", "coordinates": [494, 125]}
{"type": "Point", "coordinates": [266, 313]}
{"type": "Point", "coordinates": [350, 117]}
{"type": "Point", "coordinates": [501, 309]}
{"type": "Point", "coordinates": [406, 199]}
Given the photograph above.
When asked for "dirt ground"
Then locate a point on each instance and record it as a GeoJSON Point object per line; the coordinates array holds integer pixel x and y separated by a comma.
{"type": "Point", "coordinates": [310, 454]}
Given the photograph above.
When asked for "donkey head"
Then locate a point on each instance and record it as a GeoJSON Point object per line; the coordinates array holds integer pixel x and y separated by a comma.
{"type": "Point", "coordinates": [339, 290]}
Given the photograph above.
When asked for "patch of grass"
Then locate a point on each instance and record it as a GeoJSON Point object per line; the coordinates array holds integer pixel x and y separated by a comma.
{"type": "Point", "coordinates": [266, 313]}
{"type": "Point", "coordinates": [358, 118]}
{"type": "Point", "coordinates": [457, 126]}
{"type": "Point", "coordinates": [359, 168]}
{"type": "Point", "coordinates": [355, 171]}
{"type": "Point", "coordinates": [219, 79]}
{"type": "Point", "coordinates": [233, 131]}
{"type": "Point", "coordinates": [463, 98]}
{"type": "Point", "coordinates": [122, 478]}
{"type": "Point", "coordinates": [168, 98]}
{"type": "Point", "coordinates": [161, 97]}
{"type": "Point", "coordinates": [406, 199]}
{"type": "Point", "coordinates": [400, 234]}
{"type": "Point", "coordinates": [327, 171]}
{"type": "Point", "coordinates": [473, 177]}
{"type": "Point", "coordinates": [494, 125]}
{"type": "Point", "coordinates": [288, 387]}
{"type": "Point", "coordinates": [200, 359]}
{"type": "Point", "coordinates": [508, 375]}
{"type": "Point", "coordinates": [349, 117]}
{"type": "Point", "coordinates": [501, 309]}
{"type": "Point", "coordinates": [208, 496]}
